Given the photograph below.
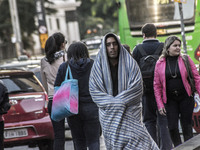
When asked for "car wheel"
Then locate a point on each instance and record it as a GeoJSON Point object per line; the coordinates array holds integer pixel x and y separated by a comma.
{"type": "Point", "coordinates": [45, 145]}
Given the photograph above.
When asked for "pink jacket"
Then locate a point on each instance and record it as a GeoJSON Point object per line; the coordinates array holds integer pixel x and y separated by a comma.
{"type": "Point", "coordinates": [160, 81]}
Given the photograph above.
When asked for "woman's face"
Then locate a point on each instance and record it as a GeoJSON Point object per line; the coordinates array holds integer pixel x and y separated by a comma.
{"type": "Point", "coordinates": [175, 48]}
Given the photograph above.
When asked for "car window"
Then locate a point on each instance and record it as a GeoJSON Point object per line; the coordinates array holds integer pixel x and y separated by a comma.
{"type": "Point", "coordinates": [19, 84]}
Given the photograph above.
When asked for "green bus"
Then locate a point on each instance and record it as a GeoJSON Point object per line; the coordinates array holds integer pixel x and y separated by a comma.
{"type": "Point", "coordinates": [133, 14]}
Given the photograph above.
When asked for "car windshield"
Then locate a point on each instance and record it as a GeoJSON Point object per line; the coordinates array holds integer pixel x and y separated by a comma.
{"type": "Point", "coordinates": [21, 84]}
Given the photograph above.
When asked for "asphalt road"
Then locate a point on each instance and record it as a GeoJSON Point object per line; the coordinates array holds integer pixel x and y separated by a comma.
{"type": "Point", "coordinates": [68, 146]}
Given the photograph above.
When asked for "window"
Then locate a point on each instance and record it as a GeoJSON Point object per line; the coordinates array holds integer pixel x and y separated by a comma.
{"type": "Point", "coordinates": [58, 23]}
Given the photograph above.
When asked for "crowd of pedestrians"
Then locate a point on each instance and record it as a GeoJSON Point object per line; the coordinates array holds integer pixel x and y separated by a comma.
{"type": "Point", "coordinates": [135, 105]}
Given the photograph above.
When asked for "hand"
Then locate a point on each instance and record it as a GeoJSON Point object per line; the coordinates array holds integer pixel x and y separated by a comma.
{"type": "Point", "coordinates": [162, 111]}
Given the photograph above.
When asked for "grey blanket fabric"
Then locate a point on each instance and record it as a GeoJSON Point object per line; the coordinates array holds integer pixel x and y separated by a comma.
{"type": "Point", "coordinates": [120, 116]}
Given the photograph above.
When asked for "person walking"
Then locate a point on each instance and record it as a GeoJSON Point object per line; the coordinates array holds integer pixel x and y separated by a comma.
{"type": "Point", "coordinates": [4, 107]}
{"type": "Point", "coordinates": [127, 48]}
{"type": "Point", "coordinates": [155, 123]}
{"type": "Point", "coordinates": [54, 57]}
{"type": "Point", "coordinates": [85, 126]}
{"type": "Point", "coordinates": [172, 90]}
{"type": "Point", "coordinates": [116, 87]}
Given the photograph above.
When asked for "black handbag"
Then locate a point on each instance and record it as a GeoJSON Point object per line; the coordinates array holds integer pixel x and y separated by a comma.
{"type": "Point", "coordinates": [189, 71]}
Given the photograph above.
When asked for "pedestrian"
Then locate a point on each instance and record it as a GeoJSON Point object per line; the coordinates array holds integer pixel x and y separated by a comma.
{"type": "Point", "coordinates": [4, 107]}
{"type": "Point", "coordinates": [85, 126]}
{"type": "Point", "coordinates": [155, 123]}
{"type": "Point", "coordinates": [54, 57]}
{"type": "Point", "coordinates": [116, 88]}
{"type": "Point", "coordinates": [173, 92]}
{"type": "Point", "coordinates": [127, 48]}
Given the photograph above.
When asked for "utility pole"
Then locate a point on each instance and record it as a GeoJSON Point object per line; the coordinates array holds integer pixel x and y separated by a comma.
{"type": "Point", "coordinates": [42, 28]}
{"type": "Point", "coordinates": [180, 6]}
{"type": "Point", "coordinates": [16, 27]}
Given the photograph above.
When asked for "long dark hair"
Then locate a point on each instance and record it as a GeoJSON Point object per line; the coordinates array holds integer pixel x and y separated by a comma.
{"type": "Point", "coordinates": [77, 50]}
{"type": "Point", "coordinates": [53, 45]}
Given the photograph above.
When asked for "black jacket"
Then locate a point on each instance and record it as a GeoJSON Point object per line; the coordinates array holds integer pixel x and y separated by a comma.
{"type": "Point", "coordinates": [80, 72]}
{"type": "Point", "coordinates": [149, 46]}
{"type": "Point", "coordinates": [4, 99]}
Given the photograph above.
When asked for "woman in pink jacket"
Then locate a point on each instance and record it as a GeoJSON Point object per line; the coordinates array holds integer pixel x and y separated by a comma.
{"type": "Point", "coordinates": [173, 92]}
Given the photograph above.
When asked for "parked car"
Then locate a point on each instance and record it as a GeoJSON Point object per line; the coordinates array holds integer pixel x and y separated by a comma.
{"type": "Point", "coordinates": [27, 122]}
{"type": "Point", "coordinates": [93, 45]}
{"type": "Point", "coordinates": [33, 66]}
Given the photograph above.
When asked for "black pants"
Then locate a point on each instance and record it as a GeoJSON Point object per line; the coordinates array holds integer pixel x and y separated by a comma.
{"type": "Point", "coordinates": [59, 131]}
{"type": "Point", "coordinates": [1, 135]}
{"type": "Point", "coordinates": [85, 127]}
{"type": "Point", "coordinates": [155, 123]}
{"type": "Point", "coordinates": [180, 107]}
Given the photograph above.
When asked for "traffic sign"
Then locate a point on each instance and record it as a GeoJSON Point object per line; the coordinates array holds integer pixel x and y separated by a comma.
{"type": "Point", "coordinates": [43, 39]}
{"type": "Point", "coordinates": [180, 1]}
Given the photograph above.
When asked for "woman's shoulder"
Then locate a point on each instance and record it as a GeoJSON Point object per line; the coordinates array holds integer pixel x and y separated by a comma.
{"type": "Point", "coordinates": [162, 59]}
{"type": "Point", "coordinates": [44, 63]}
{"type": "Point", "coordinates": [63, 65]}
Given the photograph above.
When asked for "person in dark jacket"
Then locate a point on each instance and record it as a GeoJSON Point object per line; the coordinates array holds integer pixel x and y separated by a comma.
{"type": "Point", "coordinates": [4, 107]}
{"type": "Point", "coordinates": [85, 126]}
{"type": "Point", "coordinates": [151, 118]}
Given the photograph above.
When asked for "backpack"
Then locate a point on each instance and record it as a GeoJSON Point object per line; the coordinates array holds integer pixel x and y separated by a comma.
{"type": "Point", "coordinates": [147, 65]}
{"type": "Point", "coordinates": [4, 99]}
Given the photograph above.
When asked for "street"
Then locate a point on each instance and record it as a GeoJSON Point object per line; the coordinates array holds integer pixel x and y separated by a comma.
{"type": "Point", "coordinates": [68, 146]}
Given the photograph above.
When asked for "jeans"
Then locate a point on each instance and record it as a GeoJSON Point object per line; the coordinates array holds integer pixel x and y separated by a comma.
{"type": "Point", "coordinates": [180, 107]}
{"type": "Point", "coordinates": [156, 124]}
{"type": "Point", "coordinates": [85, 127]}
{"type": "Point", "coordinates": [59, 131]}
{"type": "Point", "coordinates": [1, 135]}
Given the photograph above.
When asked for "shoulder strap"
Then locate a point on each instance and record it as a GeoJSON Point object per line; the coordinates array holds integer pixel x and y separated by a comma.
{"type": "Point", "coordinates": [68, 72]}
{"type": "Point", "coordinates": [141, 50]}
{"type": "Point", "coordinates": [159, 49]}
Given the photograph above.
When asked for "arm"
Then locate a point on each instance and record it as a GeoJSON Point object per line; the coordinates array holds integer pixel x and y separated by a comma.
{"type": "Point", "coordinates": [98, 92]}
{"type": "Point", "coordinates": [158, 88]}
{"type": "Point", "coordinates": [134, 91]}
{"type": "Point", "coordinates": [135, 54]}
{"type": "Point", "coordinates": [43, 76]}
{"type": "Point", "coordinates": [60, 77]}
{"type": "Point", "coordinates": [195, 75]}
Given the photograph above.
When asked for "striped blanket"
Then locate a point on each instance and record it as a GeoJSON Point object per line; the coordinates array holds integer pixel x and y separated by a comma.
{"type": "Point", "coordinates": [120, 116]}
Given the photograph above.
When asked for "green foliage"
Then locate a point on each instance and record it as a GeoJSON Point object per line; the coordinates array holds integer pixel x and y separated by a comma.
{"type": "Point", "coordinates": [94, 12]}
{"type": "Point", "coordinates": [27, 14]}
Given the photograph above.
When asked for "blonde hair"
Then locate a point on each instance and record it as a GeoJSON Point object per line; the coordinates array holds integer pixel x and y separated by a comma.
{"type": "Point", "coordinates": [167, 44]}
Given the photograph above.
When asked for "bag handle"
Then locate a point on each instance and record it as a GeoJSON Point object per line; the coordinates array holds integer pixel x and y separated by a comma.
{"type": "Point", "coordinates": [68, 72]}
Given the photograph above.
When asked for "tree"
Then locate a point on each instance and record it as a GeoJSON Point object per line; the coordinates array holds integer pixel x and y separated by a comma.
{"type": "Point", "coordinates": [97, 12]}
{"type": "Point", "coordinates": [27, 13]}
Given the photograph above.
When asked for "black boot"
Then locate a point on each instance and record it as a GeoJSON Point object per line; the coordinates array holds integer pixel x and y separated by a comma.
{"type": "Point", "coordinates": [187, 132]}
{"type": "Point", "coordinates": [175, 136]}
